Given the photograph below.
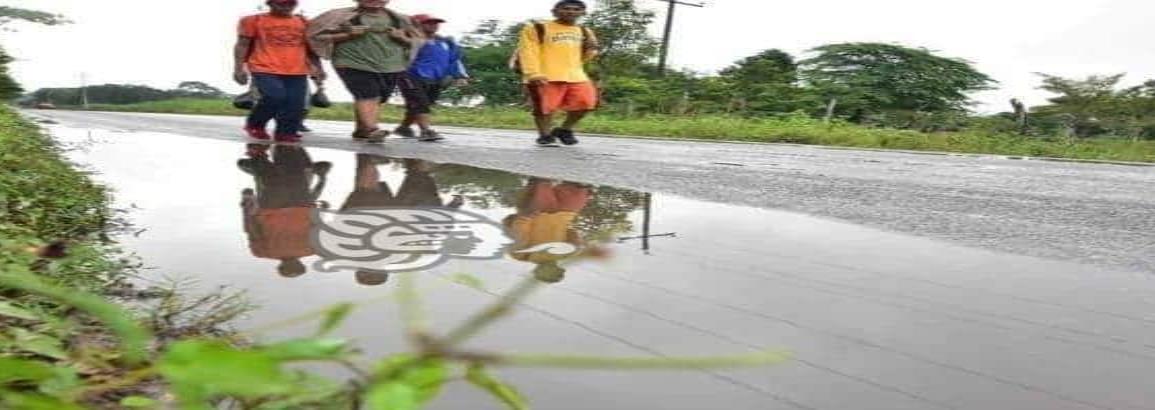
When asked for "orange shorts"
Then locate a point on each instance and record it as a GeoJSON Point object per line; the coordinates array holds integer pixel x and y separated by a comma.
{"type": "Point", "coordinates": [552, 97]}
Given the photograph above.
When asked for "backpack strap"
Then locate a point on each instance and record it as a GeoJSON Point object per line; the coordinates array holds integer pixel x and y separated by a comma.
{"type": "Point", "coordinates": [540, 28]}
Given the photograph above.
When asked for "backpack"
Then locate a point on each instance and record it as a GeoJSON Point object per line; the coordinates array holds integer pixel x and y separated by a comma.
{"type": "Point", "coordinates": [539, 27]}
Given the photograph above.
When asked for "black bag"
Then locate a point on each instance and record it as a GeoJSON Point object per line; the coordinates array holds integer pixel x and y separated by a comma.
{"type": "Point", "coordinates": [247, 101]}
{"type": "Point", "coordinates": [320, 100]}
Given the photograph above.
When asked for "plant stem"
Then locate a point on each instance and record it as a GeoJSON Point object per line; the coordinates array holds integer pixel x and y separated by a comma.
{"type": "Point", "coordinates": [643, 363]}
{"type": "Point", "coordinates": [495, 311]}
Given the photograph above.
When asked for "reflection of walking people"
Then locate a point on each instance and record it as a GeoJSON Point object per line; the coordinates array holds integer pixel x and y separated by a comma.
{"type": "Point", "coordinates": [371, 48]}
{"type": "Point", "coordinates": [418, 189]}
{"type": "Point", "coordinates": [437, 66]}
{"type": "Point", "coordinates": [546, 214]}
{"type": "Point", "coordinates": [272, 51]}
{"type": "Point", "coordinates": [550, 56]}
{"type": "Point", "coordinates": [277, 214]}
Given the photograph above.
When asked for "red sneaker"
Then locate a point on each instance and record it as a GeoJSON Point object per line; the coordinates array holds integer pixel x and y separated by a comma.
{"type": "Point", "coordinates": [288, 138]}
{"type": "Point", "coordinates": [258, 133]}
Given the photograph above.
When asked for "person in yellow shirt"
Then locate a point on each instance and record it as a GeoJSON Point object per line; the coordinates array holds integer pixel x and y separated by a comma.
{"type": "Point", "coordinates": [551, 57]}
{"type": "Point", "coordinates": [546, 214]}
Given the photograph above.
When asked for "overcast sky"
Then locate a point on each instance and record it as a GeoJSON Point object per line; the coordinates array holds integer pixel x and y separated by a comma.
{"type": "Point", "coordinates": [161, 43]}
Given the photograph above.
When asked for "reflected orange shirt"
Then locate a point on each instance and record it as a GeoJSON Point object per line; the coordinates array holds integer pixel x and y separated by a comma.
{"type": "Point", "coordinates": [282, 233]}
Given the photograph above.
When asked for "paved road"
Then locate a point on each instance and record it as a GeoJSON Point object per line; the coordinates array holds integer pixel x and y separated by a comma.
{"type": "Point", "coordinates": [900, 281]}
{"type": "Point", "coordinates": [1087, 213]}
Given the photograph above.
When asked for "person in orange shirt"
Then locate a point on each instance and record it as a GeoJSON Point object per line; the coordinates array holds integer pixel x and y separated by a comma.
{"type": "Point", "coordinates": [545, 214]}
{"type": "Point", "coordinates": [278, 214]}
{"type": "Point", "coordinates": [550, 56]}
{"type": "Point", "coordinates": [273, 52]}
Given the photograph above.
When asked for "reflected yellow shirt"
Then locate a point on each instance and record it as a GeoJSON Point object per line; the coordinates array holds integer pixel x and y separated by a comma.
{"type": "Point", "coordinates": [530, 231]}
{"type": "Point", "coordinates": [559, 57]}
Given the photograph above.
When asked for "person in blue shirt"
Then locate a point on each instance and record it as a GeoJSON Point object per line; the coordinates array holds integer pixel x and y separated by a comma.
{"type": "Point", "coordinates": [437, 66]}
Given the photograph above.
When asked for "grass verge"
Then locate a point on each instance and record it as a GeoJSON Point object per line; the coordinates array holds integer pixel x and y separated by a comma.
{"type": "Point", "coordinates": [798, 129]}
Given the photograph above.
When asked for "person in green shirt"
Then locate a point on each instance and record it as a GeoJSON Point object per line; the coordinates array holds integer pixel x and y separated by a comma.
{"type": "Point", "coordinates": [370, 47]}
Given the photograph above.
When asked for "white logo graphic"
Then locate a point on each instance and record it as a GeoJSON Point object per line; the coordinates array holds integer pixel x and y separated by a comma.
{"type": "Point", "coordinates": [390, 240]}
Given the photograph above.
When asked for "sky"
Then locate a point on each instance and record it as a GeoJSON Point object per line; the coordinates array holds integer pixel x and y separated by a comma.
{"type": "Point", "coordinates": [162, 43]}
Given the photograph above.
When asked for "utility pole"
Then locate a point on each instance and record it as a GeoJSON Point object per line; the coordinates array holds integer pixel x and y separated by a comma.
{"type": "Point", "coordinates": [648, 204]}
{"type": "Point", "coordinates": [84, 90]}
{"type": "Point", "coordinates": [669, 28]}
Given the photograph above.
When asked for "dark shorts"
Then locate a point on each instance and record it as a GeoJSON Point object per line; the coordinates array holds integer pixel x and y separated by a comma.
{"type": "Point", "coordinates": [431, 89]}
{"type": "Point", "coordinates": [365, 85]}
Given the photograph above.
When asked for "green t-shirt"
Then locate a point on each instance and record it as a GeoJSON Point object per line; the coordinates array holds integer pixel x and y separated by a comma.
{"type": "Point", "coordinates": [375, 51]}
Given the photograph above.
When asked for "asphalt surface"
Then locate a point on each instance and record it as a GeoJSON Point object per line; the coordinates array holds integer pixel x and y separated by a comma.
{"type": "Point", "coordinates": [1088, 213]}
{"type": "Point", "coordinates": [899, 281]}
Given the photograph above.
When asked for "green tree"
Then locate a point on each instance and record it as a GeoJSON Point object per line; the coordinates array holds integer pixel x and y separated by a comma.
{"type": "Point", "coordinates": [487, 51]}
{"type": "Point", "coordinates": [626, 46]}
{"type": "Point", "coordinates": [765, 82]}
{"type": "Point", "coordinates": [9, 88]}
{"type": "Point", "coordinates": [10, 14]}
{"type": "Point", "coordinates": [196, 89]}
{"type": "Point", "coordinates": [871, 78]}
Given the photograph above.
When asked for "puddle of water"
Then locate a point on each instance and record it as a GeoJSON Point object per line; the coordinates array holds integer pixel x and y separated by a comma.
{"type": "Point", "coordinates": [667, 276]}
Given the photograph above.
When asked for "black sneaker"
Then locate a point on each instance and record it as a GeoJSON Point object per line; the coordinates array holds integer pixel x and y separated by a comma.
{"type": "Point", "coordinates": [430, 136]}
{"type": "Point", "coordinates": [303, 128]}
{"type": "Point", "coordinates": [547, 141]}
{"type": "Point", "coordinates": [566, 136]}
{"type": "Point", "coordinates": [405, 132]}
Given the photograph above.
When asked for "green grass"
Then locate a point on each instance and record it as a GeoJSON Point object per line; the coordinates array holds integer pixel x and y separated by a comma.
{"type": "Point", "coordinates": [800, 130]}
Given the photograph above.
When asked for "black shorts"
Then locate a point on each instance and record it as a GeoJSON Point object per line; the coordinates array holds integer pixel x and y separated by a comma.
{"type": "Point", "coordinates": [431, 89]}
{"type": "Point", "coordinates": [365, 85]}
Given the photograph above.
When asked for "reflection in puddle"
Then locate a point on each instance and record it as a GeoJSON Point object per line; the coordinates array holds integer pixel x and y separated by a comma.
{"type": "Point", "coordinates": [385, 227]}
{"type": "Point", "coordinates": [887, 321]}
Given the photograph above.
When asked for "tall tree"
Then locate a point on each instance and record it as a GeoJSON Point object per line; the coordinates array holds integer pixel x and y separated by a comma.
{"type": "Point", "coordinates": [764, 82]}
{"type": "Point", "coordinates": [879, 77]}
{"type": "Point", "coordinates": [10, 14]}
{"type": "Point", "coordinates": [627, 47]}
{"type": "Point", "coordinates": [9, 88]}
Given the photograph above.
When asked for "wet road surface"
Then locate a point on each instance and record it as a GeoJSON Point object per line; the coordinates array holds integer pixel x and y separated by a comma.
{"type": "Point", "coordinates": [878, 318]}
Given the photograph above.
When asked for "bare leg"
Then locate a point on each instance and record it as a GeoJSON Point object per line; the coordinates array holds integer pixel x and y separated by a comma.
{"type": "Point", "coordinates": [572, 119]}
{"type": "Point", "coordinates": [424, 121]}
{"type": "Point", "coordinates": [408, 121]}
{"type": "Point", "coordinates": [366, 113]}
{"type": "Point", "coordinates": [544, 123]}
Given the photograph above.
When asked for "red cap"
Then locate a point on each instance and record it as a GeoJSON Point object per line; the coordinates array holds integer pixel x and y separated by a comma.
{"type": "Point", "coordinates": [425, 18]}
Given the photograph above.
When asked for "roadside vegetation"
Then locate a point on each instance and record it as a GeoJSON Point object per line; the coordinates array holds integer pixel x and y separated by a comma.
{"type": "Point", "coordinates": [795, 128]}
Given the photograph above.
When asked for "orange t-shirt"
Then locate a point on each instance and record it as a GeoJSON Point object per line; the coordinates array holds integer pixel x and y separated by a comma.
{"type": "Point", "coordinates": [282, 233]}
{"type": "Point", "coordinates": [279, 45]}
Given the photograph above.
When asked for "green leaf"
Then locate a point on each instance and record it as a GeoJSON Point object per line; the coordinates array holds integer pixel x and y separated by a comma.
{"type": "Point", "coordinates": [392, 396]}
{"type": "Point", "coordinates": [138, 402]}
{"type": "Point", "coordinates": [12, 370]}
{"type": "Point", "coordinates": [63, 384]}
{"type": "Point", "coordinates": [427, 376]}
{"type": "Point", "coordinates": [9, 310]}
{"type": "Point", "coordinates": [133, 338]}
{"type": "Point", "coordinates": [203, 369]}
{"type": "Point", "coordinates": [478, 376]}
{"type": "Point", "coordinates": [468, 280]}
{"type": "Point", "coordinates": [334, 316]}
{"type": "Point", "coordinates": [307, 349]}
{"type": "Point", "coordinates": [34, 402]}
{"type": "Point", "coordinates": [43, 345]}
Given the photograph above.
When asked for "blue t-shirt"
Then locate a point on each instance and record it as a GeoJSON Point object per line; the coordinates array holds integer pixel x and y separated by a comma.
{"type": "Point", "coordinates": [438, 59]}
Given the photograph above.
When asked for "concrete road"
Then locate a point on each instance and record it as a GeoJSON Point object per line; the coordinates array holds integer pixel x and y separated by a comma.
{"type": "Point", "coordinates": [900, 281]}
